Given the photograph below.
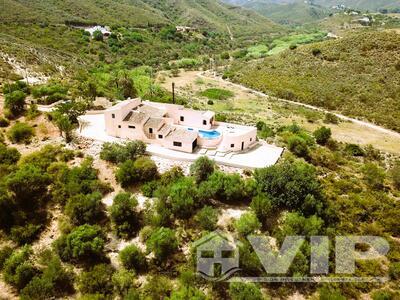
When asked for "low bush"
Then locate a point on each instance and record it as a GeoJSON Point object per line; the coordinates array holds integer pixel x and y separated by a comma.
{"type": "Point", "coordinates": [162, 242]}
{"type": "Point", "coordinates": [5, 253]}
{"type": "Point", "coordinates": [85, 209]}
{"type": "Point", "coordinates": [139, 171]}
{"type": "Point", "coordinates": [98, 281]}
{"type": "Point", "coordinates": [243, 291]}
{"type": "Point", "coordinates": [132, 258]}
{"type": "Point", "coordinates": [247, 223]}
{"type": "Point", "coordinates": [18, 270]}
{"type": "Point", "coordinates": [4, 122]}
{"type": "Point", "coordinates": [21, 133]}
{"type": "Point", "coordinates": [124, 216]}
{"type": "Point", "coordinates": [207, 218]}
{"type": "Point", "coordinates": [23, 235]}
{"type": "Point", "coordinates": [119, 153]}
{"type": "Point", "coordinates": [202, 168]}
{"type": "Point", "coordinates": [354, 150]}
{"type": "Point", "coordinates": [322, 135]}
{"type": "Point", "coordinates": [83, 243]}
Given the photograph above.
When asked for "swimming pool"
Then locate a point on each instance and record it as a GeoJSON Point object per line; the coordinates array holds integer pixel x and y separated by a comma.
{"type": "Point", "coordinates": [208, 134]}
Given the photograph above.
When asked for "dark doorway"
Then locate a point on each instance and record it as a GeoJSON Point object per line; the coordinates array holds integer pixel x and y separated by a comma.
{"type": "Point", "coordinates": [242, 145]}
{"type": "Point", "coordinates": [194, 145]}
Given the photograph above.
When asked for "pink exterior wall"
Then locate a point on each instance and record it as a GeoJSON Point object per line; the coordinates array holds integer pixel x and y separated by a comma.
{"type": "Point", "coordinates": [185, 147]}
{"type": "Point", "coordinates": [247, 137]}
{"type": "Point", "coordinates": [192, 118]}
{"type": "Point", "coordinates": [119, 111]}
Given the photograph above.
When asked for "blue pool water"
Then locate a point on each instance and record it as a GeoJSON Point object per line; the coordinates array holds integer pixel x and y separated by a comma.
{"type": "Point", "coordinates": [208, 134]}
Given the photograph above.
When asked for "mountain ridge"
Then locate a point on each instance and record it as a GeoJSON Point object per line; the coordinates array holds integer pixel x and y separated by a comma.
{"type": "Point", "coordinates": [210, 14]}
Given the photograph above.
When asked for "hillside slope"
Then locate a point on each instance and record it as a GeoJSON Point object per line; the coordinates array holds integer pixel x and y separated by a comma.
{"type": "Point", "coordinates": [295, 12]}
{"type": "Point", "coordinates": [362, 4]}
{"type": "Point", "coordinates": [210, 14]}
{"type": "Point", "coordinates": [214, 14]}
{"type": "Point", "coordinates": [128, 12]}
{"type": "Point", "coordinates": [357, 75]}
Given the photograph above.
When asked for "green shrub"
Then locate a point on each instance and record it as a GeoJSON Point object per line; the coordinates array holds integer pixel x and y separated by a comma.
{"type": "Point", "coordinates": [354, 150]}
{"type": "Point", "coordinates": [54, 282]}
{"type": "Point", "coordinates": [298, 146]}
{"type": "Point", "coordinates": [132, 258]}
{"type": "Point", "coordinates": [149, 188]}
{"type": "Point", "coordinates": [326, 293]}
{"type": "Point", "coordinates": [98, 36]}
{"type": "Point", "coordinates": [15, 102]}
{"type": "Point", "coordinates": [384, 295]}
{"type": "Point", "coordinates": [207, 218]}
{"type": "Point", "coordinates": [25, 234]}
{"type": "Point", "coordinates": [123, 280]}
{"type": "Point", "coordinates": [202, 168]}
{"type": "Point", "coordinates": [157, 287]}
{"type": "Point", "coordinates": [85, 209]}
{"type": "Point", "coordinates": [162, 242]}
{"type": "Point", "coordinates": [244, 291]}
{"type": "Point", "coordinates": [288, 184]}
{"type": "Point", "coordinates": [220, 117]}
{"type": "Point", "coordinates": [187, 292]}
{"type": "Point", "coordinates": [225, 55]}
{"type": "Point", "coordinates": [21, 133]}
{"type": "Point", "coordinates": [85, 242]}
{"type": "Point", "coordinates": [124, 215]}
{"type": "Point", "coordinates": [139, 171]}
{"type": "Point", "coordinates": [262, 207]}
{"type": "Point", "coordinates": [223, 187]}
{"type": "Point", "coordinates": [5, 253]}
{"type": "Point", "coordinates": [331, 119]}
{"type": "Point", "coordinates": [394, 270]}
{"type": "Point", "coordinates": [395, 172]}
{"type": "Point", "coordinates": [374, 175]}
{"type": "Point", "coordinates": [247, 223]}
{"type": "Point", "coordinates": [4, 122]}
{"type": "Point", "coordinates": [8, 156]}
{"type": "Point", "coordinates": [322, 135]}
{"type": "Point", "coordinates": [183, 197]}
{"type": "Point", "coordinates": [98, 280]}
{"type": "Point", "coordinates": [119, 153]}
{"type": "Point", "coordinates": [18, 271]}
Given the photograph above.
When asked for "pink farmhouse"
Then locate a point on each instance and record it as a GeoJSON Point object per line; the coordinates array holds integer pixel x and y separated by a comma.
{"type": "Point", "coordinates": [176, 127]}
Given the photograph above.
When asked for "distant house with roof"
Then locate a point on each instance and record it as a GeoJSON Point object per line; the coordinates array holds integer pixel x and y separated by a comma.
{"type": "Point", "coordinates": [103, 29]}
{"type": "Point", "coordinates": [176, 127]}
{"type": "Point", "coordinates": [185, 29]}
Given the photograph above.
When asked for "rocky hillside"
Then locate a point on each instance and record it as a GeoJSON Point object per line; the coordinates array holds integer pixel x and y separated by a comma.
{"type": "Point", "coordinates": [139, 13]}
{"type": "Point", "coordinates": [357, 75]}
{"type": "Point", "coordinates": [290, 12]}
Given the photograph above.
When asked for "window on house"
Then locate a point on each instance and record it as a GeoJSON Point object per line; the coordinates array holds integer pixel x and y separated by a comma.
{"type": "Point", "coordinates": [132, 127]}
{"type": "Point", "coordinates": [177, 144]}
{"type": "Point", "coordinates": [150, 130]}
{"type": "Point", "coordinates": [232, 145]}
{"type": "Point", "coordinates": [182, 118]}
{"type": "Point", "coordinates": [113, 116]}
{"type": "Point", "coordinates": [251, 139]}
{"type": "Point", "coordinates": [160, 136]}
{"type": "Point", "coordinates": [119, 126]}
{"type": "Point", "coordinates": [204, 122]}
